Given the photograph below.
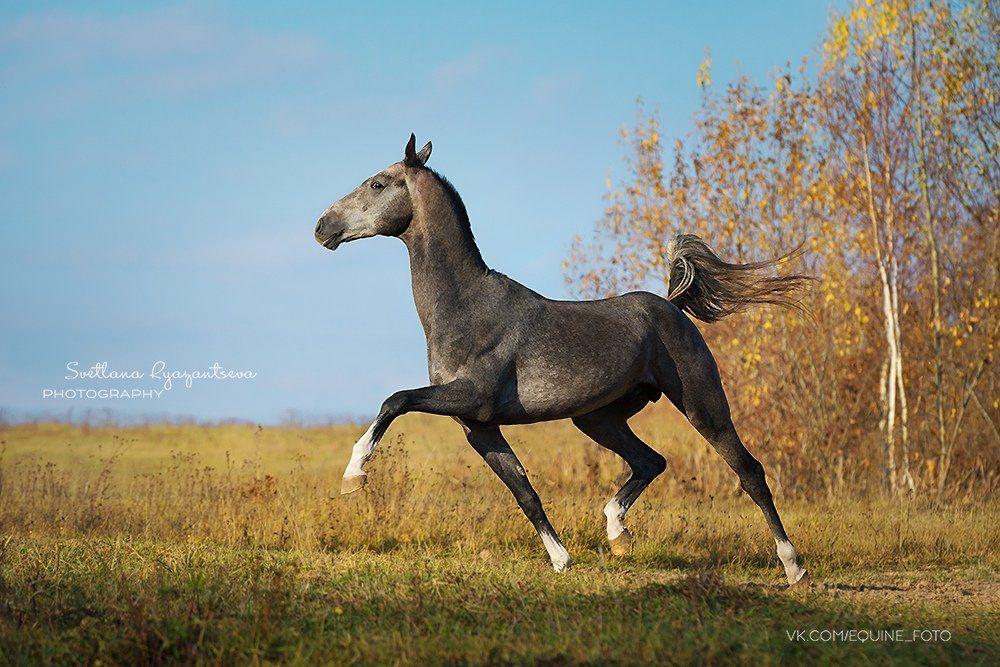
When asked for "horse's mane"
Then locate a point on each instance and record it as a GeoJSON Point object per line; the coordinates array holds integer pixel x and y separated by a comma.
{"type": "Point", "coordinates": [459, 207]}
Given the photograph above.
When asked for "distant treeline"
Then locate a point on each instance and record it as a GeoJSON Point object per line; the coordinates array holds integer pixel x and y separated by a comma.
{"type": "Point", "coordinates": [106, 417]}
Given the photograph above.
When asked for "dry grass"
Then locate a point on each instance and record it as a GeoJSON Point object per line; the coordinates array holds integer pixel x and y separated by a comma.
{"type": "Point", "coordinates": [228, 543]}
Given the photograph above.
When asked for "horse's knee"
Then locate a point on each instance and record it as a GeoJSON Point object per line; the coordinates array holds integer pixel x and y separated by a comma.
{"type": "Point", "coordinates": [652, 467]}
{"type": "Point", "coordinates": [395, 405]}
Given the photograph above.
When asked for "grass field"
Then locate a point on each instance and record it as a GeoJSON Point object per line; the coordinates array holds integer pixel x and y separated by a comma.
{"type": "Point", "coordinates": [229, 544]}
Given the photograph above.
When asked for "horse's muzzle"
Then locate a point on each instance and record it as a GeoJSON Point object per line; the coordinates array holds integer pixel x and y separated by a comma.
{"type": "Point", "coordinates": [329, 235]}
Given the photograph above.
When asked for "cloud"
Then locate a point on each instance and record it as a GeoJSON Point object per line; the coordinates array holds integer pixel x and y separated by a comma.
{"type": "Point", "coordinates": [261, 249]}
{"type": "Point", "coordinates": [555, 87]}
{"type": "Point", "coordinates": [466, 68]}
{"type": "Point", "coordinates": [171, 51]}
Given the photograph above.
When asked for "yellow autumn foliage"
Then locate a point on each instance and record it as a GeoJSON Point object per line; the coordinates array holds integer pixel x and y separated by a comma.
{"type": "Point", "coordinates": [833, 159]}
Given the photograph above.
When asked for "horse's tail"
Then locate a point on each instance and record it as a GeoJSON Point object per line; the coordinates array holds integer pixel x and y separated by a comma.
{"type": "Point", "coordinates": [709, 288]}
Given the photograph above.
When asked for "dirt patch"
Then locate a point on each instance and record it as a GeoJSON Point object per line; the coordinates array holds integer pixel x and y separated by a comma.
{"type": "Point", "coordinates": [907, 589]}
{"type": "Point", "coordinates": [965, 593]}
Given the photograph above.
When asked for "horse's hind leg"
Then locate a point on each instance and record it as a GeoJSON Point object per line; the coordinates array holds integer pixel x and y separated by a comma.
{"type": "Point", "coordinates": [491, 445]}
{"type": "Point", "coordinates": [609, 428]}
{"type": "Point", "coordinates": [697, 391]}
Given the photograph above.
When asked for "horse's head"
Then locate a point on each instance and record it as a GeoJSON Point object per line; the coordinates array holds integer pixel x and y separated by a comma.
{"type": "Point", "coordinates": [381, 205]}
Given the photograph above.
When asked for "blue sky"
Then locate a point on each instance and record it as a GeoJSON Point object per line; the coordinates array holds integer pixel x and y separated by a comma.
{"type": "Point", "coordinates": [162, 167]}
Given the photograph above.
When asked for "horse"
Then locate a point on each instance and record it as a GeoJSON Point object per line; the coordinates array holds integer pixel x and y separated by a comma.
{"type": "Point", "coordinates": [499, 353]}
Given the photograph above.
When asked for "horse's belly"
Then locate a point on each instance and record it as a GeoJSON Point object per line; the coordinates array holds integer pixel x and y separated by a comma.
{"type": "Point", "coordinates": [559, 387]}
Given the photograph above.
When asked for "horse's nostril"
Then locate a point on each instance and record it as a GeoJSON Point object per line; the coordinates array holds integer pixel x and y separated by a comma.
{"type": "Point", "coordinates": [319, 225]}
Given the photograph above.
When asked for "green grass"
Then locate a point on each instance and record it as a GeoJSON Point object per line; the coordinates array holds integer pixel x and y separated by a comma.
{"type": "Point", "coordinates": [135, 601]}
{"type": "Point", "coordinates": [225, 545]}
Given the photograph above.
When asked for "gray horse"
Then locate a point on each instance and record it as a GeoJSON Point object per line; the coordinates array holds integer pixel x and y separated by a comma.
{"type": "Point", "coordinates": [499, 353]}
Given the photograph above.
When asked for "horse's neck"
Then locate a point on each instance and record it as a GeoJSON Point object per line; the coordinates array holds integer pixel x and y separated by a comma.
{"type": "Point", "coordinates": [446, 268]}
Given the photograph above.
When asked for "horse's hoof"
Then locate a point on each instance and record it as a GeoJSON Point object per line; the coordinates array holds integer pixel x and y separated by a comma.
{"type": "Point", "coordinates": [801, 581]}
{"type": "Point", "coordinates": [352, 484]}
{"type": "Point", "coordinates": [622, 545]}
{"type": "Point", "coordinates": [562, 565]}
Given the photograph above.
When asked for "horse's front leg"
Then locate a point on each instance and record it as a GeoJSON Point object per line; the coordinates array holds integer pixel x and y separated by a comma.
{"type": "Point", "coordinates": [456, 399]}
{"type": "Point", "coordinates": [491, 445]}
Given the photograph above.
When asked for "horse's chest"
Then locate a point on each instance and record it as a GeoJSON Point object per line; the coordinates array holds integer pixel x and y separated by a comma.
{"type": "Point", "coordinates": [444, 361]}
{"type": "Point", "coordinates": [469, 350]}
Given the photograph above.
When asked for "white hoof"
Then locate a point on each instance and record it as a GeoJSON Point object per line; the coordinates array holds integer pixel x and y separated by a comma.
{"type": "Point", "coordinates": [557, 552]}
{"type": "Point", "coordinates": [562, 565]}
{"type": "Point", "coordinates": [352, 483]}
{"type": "Point", "coordinates": [786, 552]}
{"type": "Point", "coordinates": [800, 578]}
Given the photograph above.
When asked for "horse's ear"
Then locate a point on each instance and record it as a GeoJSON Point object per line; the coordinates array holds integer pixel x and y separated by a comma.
{"type": "Point", "coordinates": [410, 158]}
{"type": "Point", "coordinates": [424, 153]}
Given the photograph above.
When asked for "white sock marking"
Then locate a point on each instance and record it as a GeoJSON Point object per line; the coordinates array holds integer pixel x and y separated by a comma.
{"type": "Point", "coordinates": [614, 512]}
{"type": "Point", "coordinates": [362, 453]}
{"type": "Point", "coordinates": [786, 552]}
{"type": "Point", "coordinates": [557, 552]}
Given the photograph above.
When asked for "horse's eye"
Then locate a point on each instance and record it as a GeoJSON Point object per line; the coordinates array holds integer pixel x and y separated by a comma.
{"type": "Point", "coordinates": [376, 185]}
